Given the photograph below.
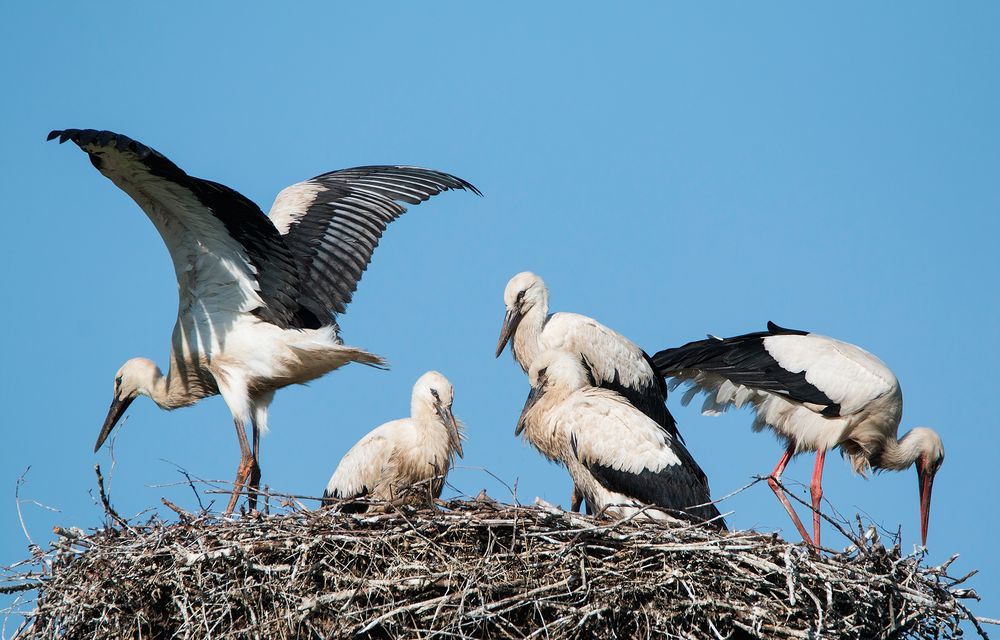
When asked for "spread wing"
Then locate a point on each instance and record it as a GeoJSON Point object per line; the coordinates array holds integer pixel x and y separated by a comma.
{"type": "Point", "coordinates": [333, 222]}
{"type": "Point", "coordinates": [227, 255]}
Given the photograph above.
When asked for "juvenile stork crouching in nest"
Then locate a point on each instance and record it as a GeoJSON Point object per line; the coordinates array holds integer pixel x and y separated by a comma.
{"type": "Point", "coordinates": [620, 460]}
{"type": "Point", "coordinates": [406, 460]}
{"type": "Point", "coordinates": [815, 393]}
{"type": "Point", "coordinates": [258, 293]}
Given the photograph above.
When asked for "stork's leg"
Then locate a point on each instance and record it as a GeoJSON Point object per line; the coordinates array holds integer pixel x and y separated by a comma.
{"type": "Point", "coordinates": [247, 463]}
{"type": "Point", "coordinates": [816, 491]}
{"type": "Point", "coordinates": [773, 482]}
{"type": "Point", "coordinates": [576, 499]}
{"type": "Point", "coordinates": [259, 422]}
{"type": "Point", "coordinates": [253, 483]}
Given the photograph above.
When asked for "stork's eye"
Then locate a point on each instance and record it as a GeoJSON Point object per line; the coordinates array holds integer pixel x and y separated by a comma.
{"type": "Point", "coordinates": [435, 394]}
{"type": "Point", "coordinates": [118, 382]}
{"type": "Point", "coordinates": [541, 379]}
{"type": "Point", "coordinates": [520, 297]}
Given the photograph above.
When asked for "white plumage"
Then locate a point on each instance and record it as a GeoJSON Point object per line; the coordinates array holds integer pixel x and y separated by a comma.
{"type": "Point", "coordinates": [407, 459]}
{"type": "Point", "coordinates": [816, 393]}
{"type": "Point", "coordinates": [257, 295]}
{"type": "Point", "coordinates": [620, 460]}
{"type": "Point", "coordinates": [615, 362]}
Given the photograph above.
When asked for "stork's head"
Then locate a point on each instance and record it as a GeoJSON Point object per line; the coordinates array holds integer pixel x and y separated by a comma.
{"type": "Point", "coordinates": [433, 391]}
{"type": "Point", "coordinates": [929, 457]}
{"type": "Point", "coordinates": [524, 292]}
{"type": "Point", "coordinates": [552, 371]}
{"type": "Point", "coordinates": [135, 378]}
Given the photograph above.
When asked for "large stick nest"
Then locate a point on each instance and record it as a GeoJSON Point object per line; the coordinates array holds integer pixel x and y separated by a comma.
{"type": "Point", "coordinates": [475, 569]}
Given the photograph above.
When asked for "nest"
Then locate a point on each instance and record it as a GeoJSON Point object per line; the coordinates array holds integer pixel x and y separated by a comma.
{"type": "Point", "coordinates": [478, 569]}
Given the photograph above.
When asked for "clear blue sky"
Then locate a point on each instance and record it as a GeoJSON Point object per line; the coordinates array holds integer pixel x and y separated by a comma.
{"type": "Point", "coordinates": [669, 169]}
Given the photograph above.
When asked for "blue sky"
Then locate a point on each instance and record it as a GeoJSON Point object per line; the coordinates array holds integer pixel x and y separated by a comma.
{"type": "Point", "coordinates": [669, 169]}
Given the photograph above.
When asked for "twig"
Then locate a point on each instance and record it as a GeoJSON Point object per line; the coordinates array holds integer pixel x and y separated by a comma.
{"type": "Point", "coordinates": [108, 509]}
{"type": "Point", "coordinates": [20, 516]}
{"type": "Point", "coordinates": [173, 507]}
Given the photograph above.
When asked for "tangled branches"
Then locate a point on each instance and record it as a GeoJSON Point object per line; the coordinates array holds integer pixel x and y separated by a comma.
{"type": "Point", "coordinates": [476, 569]}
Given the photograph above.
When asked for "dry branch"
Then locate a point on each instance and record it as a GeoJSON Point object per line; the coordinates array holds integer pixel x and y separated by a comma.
{"type": "Point", "coordinates": [476, 569]}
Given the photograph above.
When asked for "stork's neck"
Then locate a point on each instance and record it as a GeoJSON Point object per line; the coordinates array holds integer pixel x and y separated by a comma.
{"type": "Point", "coordinates": [153, 385]}
{"type": "Point", "coordinates": [424, 414]}
{"type": "Point", "coordinates": [172, 390]}
{"type": "Point", "coordinates": [897, 455]}
{"type": "Point", "coordinates": [433, 428]}
{"type": "Point", "coordinates": [540, 426]}
{"type": "Point", "coordinates": [526, 344]}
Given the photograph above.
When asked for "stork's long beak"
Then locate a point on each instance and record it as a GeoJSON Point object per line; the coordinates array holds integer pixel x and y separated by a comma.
{"type": "Point", "coordinates": [118, 408]}
{"type": "Point", "coordinates": [925, 478]}
{"type": "Point", "coordinates": [452, 425]}
{"type": "Point", "coordinates": [510, 322]}
{"type": "Point", "coordinates": [533, 397]}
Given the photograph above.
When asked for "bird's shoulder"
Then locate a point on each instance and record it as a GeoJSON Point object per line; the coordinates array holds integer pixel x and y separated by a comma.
{"type": "Point", "coordinates": [611, 357]}
{"type": "Point", "coordinates": [846, 373]}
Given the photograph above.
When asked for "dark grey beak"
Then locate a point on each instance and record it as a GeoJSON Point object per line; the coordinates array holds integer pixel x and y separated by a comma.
{"type": "Point", "coordinates": [925, 479]}
{"type": "Point", "coordinates": [452, 425]}
{"type": "Point", "coordinates": [510, 322]}
{"type": "Point", "coordinates": [118, 408]}
{"type": "Point", "coordinates": [533, 397]}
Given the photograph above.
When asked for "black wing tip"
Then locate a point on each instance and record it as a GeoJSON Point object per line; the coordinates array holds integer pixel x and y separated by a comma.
{"type": "Point", "coordinates": [785, 331]}
{"type": "Point", "coordinates": [449, 180]}
{"type": "Point", "coordinates": [101, 138]}
{"type": "Point", "coordinates": [442, 180]}
{"type": "Point", "coordinates": [466, 185]}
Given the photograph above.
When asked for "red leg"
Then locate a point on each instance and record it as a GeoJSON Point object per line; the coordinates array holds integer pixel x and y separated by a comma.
{"type": "Point", "coordinates": [816, 490]}
{"type": "Point", "coordinates": [244, 471]}
{"type": "Point", "coordinates": [774, 479]}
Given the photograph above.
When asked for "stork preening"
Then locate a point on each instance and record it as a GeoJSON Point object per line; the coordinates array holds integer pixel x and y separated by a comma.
{"type": "Point", "coordinates": [621, 461]}
{"type": "Point", "coordinates": [407, 460]}
{"type": "Point", "coordinates": [816, 393]}
{"type": "Point", "coordinates": [615, 362]}
{"type": "Point", "coordinates": [258, 293]}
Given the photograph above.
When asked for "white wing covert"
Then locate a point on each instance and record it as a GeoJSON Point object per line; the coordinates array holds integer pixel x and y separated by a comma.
{"type": "Point", "coordinates": [227, 255]}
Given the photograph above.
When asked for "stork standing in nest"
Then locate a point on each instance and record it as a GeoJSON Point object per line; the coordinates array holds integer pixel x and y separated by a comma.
{"type": "Point", "coordinates": [616, 363]}
{"type": "Point", "coordinates": [404, 460]}
{"type": "Point", "coordinates": [816, 393]}
{"type": "Point", "coordinates": [620, 460]}
{"type": "Point", "coordinates": [258, 293]}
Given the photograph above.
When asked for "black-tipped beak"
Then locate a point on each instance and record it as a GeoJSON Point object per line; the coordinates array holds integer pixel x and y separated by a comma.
{"type": "Point", "coordinates": [510, 322]}
{"type": "Point", "coordinates": [452, 425]}
{"type": "Point", "coordinates": [533, 397]}
{"type": "Point", "coordinates": [925, 478]}
{"type": "Point", "coordinates": [118, 407]}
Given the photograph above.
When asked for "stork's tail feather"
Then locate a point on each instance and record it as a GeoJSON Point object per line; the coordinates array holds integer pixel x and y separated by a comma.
{"type": "Point", "coordinates": [370, 359]}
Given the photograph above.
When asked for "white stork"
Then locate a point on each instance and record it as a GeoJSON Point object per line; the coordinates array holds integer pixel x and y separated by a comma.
{"type": "Point", "coordinates": [258, 294]}
{"type": "Point", "coordinates": [619, 458]}
{"type": "Point", "coordinates": [615, 362]}
{"type": "Point", "coordinates": [816, 393]}
{"type": "Point", "coordinates": [408, 459]}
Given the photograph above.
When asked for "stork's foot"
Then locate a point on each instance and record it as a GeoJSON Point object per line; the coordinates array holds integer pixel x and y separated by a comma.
{"type": "Point", "coordinates": [247, 477]}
